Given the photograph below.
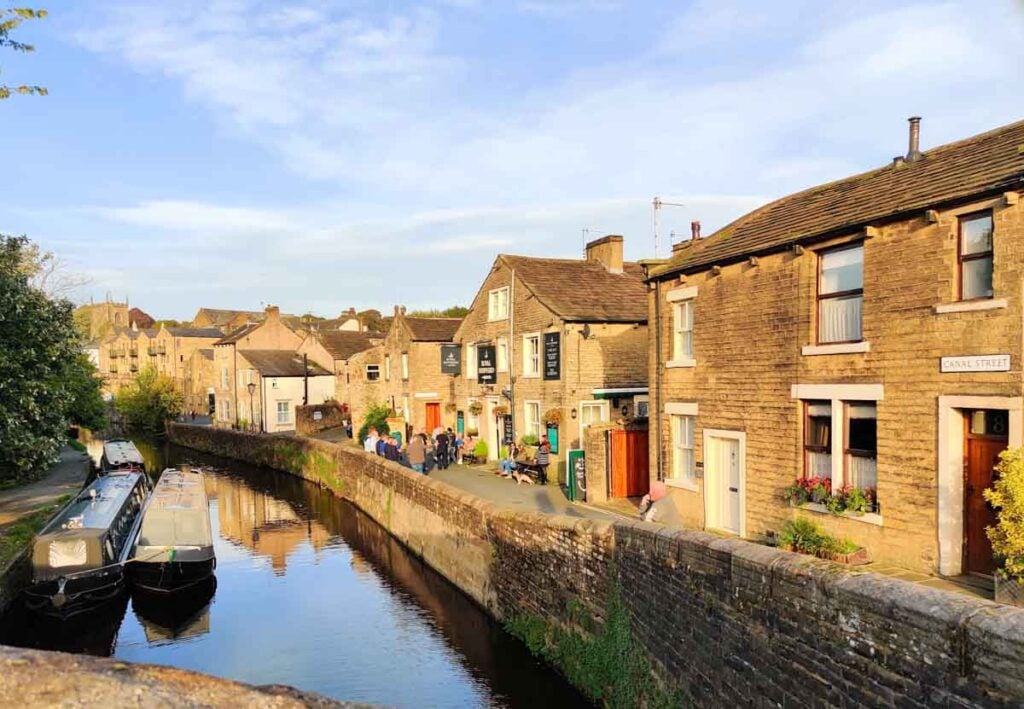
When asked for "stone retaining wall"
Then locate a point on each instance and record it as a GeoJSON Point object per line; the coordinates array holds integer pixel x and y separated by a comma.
{"type": "Point", "coordinates": [331, 416]}
{"type": "Point", "coordinates": [713, 621]}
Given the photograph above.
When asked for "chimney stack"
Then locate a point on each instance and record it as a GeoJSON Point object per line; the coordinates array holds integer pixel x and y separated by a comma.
{"type": "Point", "coordinates": [914, 147]}
{"type": "Point", "coordinates": [272, 312]}
{"type": "Point", "coordinates": [695, 230]}
{"type": "Point", "coordinates": [606, 251]}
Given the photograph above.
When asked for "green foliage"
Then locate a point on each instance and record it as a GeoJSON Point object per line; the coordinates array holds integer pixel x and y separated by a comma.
{"type": "Point", "coordinates": [530, 439]}
{"type": "Point", "coordinates": [87, 407]}
{"type": "Point", "coordinates": [605, 663]}
{"type": "Point", "coordinates": [40, 367]}
{"type": "Point", "coordinates": [1007, 497]}
{"type": "Point", "coordinates": [77, 445]}
{"type": "Point", "coordinates": [10, 19]}
{"type": "Point", "coordinates": [147, 403]}
{"type": "Point", "coordinates": [376, 417]}
{"type": "Point", "coordinates": [455, 311]}
{"type": "Point", "coordinates": [17, 535]}
{"type": "Point", "coordinates": [480, 450]}
{"type": "Point", "coordinates": [807, 537]}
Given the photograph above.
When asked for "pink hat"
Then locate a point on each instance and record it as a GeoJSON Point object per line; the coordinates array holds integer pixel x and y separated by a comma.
{"type": "Point", "coordinates": [658, 490]}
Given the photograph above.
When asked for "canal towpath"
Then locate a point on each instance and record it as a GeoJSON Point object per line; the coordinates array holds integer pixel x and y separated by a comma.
{"type": "Point", "coordinates": [65, 477]}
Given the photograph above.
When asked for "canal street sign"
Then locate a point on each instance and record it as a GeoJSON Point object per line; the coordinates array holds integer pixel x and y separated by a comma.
{"type": "Point", "coordinates": [451, 359]}
{"type": "Point", "coordinates": [976, 363]}
{"type": "Point", "coordinates": [486, 371]}
{"type": "Point", "coordinates": [552, 355]}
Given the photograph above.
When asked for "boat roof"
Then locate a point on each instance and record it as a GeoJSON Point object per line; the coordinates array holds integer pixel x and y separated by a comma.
{"type": "Point", "coordinates": [119, 451]}
{"type": "Point", "coordinates": [97, 506]}
{"type": "Point", "coordinates": [178, 512]}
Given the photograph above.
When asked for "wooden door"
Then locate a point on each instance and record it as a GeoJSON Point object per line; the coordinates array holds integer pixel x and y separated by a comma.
{"type": "Point", "coordinates": [982, 457]}
{"type": "Point", "coordinates": [630, 472]}
{"type": "Point", "coordinates": [433, 416]}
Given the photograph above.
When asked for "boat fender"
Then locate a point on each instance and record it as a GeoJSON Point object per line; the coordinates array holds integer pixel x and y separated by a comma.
{"type": "Point", "coordinates": [59, 599]}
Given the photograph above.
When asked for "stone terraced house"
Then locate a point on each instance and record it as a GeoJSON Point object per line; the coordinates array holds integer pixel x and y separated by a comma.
{"type": "Point", "coordinates": [867, 331]}
{"type": "Point", "coordinates": [549, 339]}
{"type": "Point", "coordinates": [333, 350]}
{"type": "Point", "coordinates": [404, 372]}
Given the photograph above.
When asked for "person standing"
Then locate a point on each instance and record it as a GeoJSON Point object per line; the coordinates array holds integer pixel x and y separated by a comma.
{"type": "Point", "coordinates": [416, 452]}
{"type": "Point", "coordinates": [370, 444]}
{"type": "Point", "coordinates": [543, 458]}
{"type": "Point", "coordinates": [441, 450]}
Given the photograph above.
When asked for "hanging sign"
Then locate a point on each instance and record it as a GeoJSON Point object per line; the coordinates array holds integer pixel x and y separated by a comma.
{"type": "Point", "coordinates": [451, 359]}
{"type": "Point", "coordinates": [976, 363]}
{"type": "Point", "coordinates": [552, 355]}
{"type": "Point", "coordinates": [486, 370]}
{"type": "Point", "coordinates": [508, 435]}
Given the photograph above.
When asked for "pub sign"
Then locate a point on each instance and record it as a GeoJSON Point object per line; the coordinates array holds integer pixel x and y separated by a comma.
{"type": "Point", "coordinates": [486, 369]}
{"type": "Point", "coordinates": [552, 355]}
{"type": "Point", "coordinates": [451, 359]}
{"type": "Point", "coordinates": [508, 434]}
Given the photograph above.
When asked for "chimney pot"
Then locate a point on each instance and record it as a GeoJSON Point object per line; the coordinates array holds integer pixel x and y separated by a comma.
{"type": "Point", "coordinates": [695, 229]}
{"type": "Point", "coordinates": [272, 311]}
{"type": "Point", "coordinates": [914, 145]}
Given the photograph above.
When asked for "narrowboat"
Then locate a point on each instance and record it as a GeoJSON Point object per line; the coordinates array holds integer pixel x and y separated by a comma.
{"type": "Point", "coordinates": [78, 558]}
{"type": "Point", "coordinates": [174, 549]}
{"type": "Point", "coordinates": [121, 454]}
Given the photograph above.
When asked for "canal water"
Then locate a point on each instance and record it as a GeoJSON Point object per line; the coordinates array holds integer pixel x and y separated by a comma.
{"type": "Point", "coordinates": [312, 593]}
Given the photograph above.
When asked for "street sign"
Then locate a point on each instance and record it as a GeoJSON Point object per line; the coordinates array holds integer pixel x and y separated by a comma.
{"type": "Point", "coordinates": [975, 363]}
{"type": "Point", "coordinates": [552, 355]}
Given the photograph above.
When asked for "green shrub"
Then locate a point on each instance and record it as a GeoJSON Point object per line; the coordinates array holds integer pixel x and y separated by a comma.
{"type": "Point", "coordinates": [1007, 496]}
{"type": "Point", "coordinates": [376, 417]}
{"type": "Point", "coordinates": [480, 450]}
{"type": "Point", "coordinates": [807, 537]}
{"type": "Point", "coordinates": [531, 439]}
{"type": "Point", "coordinates": [148, 402]}
{"type": "Point", "coordinates": [77, 445]}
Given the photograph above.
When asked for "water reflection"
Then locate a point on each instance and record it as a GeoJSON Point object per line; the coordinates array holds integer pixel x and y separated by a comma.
{"type": "Point", "coordinates": [311, 592]}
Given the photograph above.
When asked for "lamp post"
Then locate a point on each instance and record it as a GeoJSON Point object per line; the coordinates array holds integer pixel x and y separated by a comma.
{"type": "Point", "coordinates": [252, 419]}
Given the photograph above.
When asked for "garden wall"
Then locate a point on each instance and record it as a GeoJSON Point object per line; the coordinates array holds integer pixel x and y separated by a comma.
{"type": "Point", "coordinates": [306, 421]}
{"type": "Point", "coordinates": [628, 608]}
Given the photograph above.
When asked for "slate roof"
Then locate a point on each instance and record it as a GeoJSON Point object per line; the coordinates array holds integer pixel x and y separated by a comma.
{"type": "Point", "coordinates": [221, 317]}
{"type": "Point", "coordinates": [584, 291]}
{"type": "Point", "coordinates": [237, 334]}
{"type": "Point", "coordinates": [985, 163]}
{"type": "Point", "coordinates": [343, 344]}
{"type": "Point", "coordinates": [195, 332]}
{"type": "Point", "coordinates": [433, 329]}
{"type": "Point", "coordinates": [281, 363]}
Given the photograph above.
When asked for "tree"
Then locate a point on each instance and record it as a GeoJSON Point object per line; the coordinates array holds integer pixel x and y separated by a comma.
{"type": "Point", "coordinates": [10, 19]}
{"type": "Point", "coordinates": [87, 407]}
{"type": "Point", "coordinates": [39, 348]}
{"type": "Point", "coordinates": [455, 311]}
{"type": "Point", "coordinates": [147, 403]}
{"type": "Point", "coordinates": [50, 273]}
{"type": "Point", "coordinates": [376, 417]}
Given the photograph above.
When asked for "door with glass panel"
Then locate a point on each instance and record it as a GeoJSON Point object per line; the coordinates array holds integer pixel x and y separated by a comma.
{"type": "Point", "coordinates": [591, 412]}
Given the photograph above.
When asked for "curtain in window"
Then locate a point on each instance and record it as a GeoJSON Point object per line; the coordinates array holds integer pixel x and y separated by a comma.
{"type": "Point", "coordinates": [839, 319]}
{"type": "Point", "coordinates": [863, 471]}
{"type": "Point", "coordinates": [819, 465]}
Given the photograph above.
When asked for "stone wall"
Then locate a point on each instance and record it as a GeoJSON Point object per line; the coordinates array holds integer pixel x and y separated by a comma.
{"type": "Point", "coordinates": [331, 416]}
{"type": "Point", "coordinates": [718, 621]}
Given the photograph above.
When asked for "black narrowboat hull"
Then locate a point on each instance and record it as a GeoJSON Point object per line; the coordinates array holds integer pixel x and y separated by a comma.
{"type": "Point", "coordinates": [64, 598]}
{"type": "Point", "coordinates": [170, 576]}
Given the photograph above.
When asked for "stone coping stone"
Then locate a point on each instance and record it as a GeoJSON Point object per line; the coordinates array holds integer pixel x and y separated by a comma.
{"type": "Point", "coordinates": [38, 678]}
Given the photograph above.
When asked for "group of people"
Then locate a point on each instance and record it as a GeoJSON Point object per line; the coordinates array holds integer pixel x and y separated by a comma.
{"type": "Point", "coordinates": [512, 464]}
{"type": "Point", "coordinates": [421, 452]}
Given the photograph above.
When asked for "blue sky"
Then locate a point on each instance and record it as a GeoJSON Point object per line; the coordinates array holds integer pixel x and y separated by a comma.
{"type": "Point", "coordinates": [326, 154]}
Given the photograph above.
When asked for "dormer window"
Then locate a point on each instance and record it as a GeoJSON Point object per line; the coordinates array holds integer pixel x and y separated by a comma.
{"type": "Point", "coordinates": [841, 294]}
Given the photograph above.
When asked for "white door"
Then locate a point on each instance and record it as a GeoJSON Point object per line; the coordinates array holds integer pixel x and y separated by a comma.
{"type": "Point", "coordinates": [591, 412]}
{"type": "Point", "coordinates": [724, 469]}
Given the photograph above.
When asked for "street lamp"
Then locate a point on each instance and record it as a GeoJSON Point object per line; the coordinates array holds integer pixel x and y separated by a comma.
{"type": "Point", "coordinates": [252, 418]}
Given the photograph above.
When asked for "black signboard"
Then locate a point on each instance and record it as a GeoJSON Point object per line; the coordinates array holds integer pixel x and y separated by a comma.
{"type": "Point", "coordinates": [486, 370]}
{"type": "Point", "coordinates": [552, 355]}
{"type": "Point", "coordinates": [508, 435]}
{"type": "Point", "coordinates": [451, 359]}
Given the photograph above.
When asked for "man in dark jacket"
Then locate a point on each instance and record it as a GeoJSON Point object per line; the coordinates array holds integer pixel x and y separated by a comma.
{"type": "Point", "coordinates": [441, 450]}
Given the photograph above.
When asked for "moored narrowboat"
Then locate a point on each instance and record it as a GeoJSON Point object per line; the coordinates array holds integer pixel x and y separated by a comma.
{"type": "Point", "coordinates": [121, 454]}
{"type": "Point", "coordinates": [174, 549]}
{"type": "Point", "coordinates": [78, 558]}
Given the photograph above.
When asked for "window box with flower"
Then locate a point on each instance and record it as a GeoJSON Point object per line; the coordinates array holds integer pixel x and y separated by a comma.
{"type": "Point", "coordinates": [815, 494]}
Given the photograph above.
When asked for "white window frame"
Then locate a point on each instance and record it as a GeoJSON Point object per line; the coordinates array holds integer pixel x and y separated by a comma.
{"type": "Point", "coordinates": [497, 304]}
{"type": "Point", "coordinates": [287, 411]}
{"type": "Point", "coordinates": [682, 301]}
{"type": "Point", "coordinates": [501, 348]}
{"type": "Point", "coordinates": [405, 366]}
{"type": "Point", "coordinates": [471, 373]}
{"type": "Point", "coordinates": [605, 407]}
{"type": "Point", "coordinates": [223, 376]}
{"type": "Point", "coordinates": [374, 368]}
{"type": "Point", "coordinates": [531, 362]}
{"type": "Point", "coordinates": [532, 426]}
{"type": "Point", "coordinates": [683, 475]}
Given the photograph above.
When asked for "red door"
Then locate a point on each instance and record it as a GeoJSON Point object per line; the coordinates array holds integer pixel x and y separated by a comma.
{"type": "Point", "coordinates": [629, 464]}
{"type": "Point", "coordinates": [433, 416]}
{"type": "Point", "coordinates": [982, 455]}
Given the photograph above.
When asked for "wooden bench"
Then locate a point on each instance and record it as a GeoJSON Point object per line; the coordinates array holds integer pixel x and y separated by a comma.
{"type": "Point", "coordinates": [530, 467]}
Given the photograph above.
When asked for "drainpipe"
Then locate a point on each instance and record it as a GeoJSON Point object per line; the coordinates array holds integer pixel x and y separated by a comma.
{"type": "Point", "coordinates": [511, 353]}
{"type": "Point", "coordinates": [657, 375]}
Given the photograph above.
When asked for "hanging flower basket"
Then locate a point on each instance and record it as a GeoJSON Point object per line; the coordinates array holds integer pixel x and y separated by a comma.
{"type": "Point", "coordinates": [476, 408]}
{"type": "Point", "coordinates": [500, 410]}
{"type": "Point", "coordinates": [553, 417]}
{"type": "Point", "coordinates": [450, 407]}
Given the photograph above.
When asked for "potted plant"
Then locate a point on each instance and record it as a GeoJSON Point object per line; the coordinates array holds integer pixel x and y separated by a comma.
{"type": "Point", "coordinates": [500, 410]}
{"type": "Point", "coordinates": [1007, 536]}
{"type": "Point", "coordinates": [819, 488]}
{"type": "Point", "coordinates": [476, 408]}
{"type": "Point", "coordinates": [451, 407]}
{"type": "Point", "coordinates": [553, 417]}
{"type": "Point", "coordinates": [472, 432]}
{"type": "Point", "coordinates": [796, 493]}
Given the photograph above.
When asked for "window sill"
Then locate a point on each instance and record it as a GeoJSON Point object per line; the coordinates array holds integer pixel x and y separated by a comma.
{"type": "Point", "coordinates": [681, 363]}
{"type": "Point", "coordinates": [840, 348]}
{"type": "Point", "coordinates": [969, 306]}
{"type": "Point", "coordinates": [530, 376]}
{"type": "Point", "coordinates": [497, 319]}
{"type": "Point", "coordinates": [681, 484]}
{"type": "Point", "coordinates": [867, 518]}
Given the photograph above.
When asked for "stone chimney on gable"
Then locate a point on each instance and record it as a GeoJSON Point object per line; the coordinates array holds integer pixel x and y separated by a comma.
{"type": "Point", "coordinates": [606, 251]}
{"type": "Point", "coordinates": [272, 312]}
